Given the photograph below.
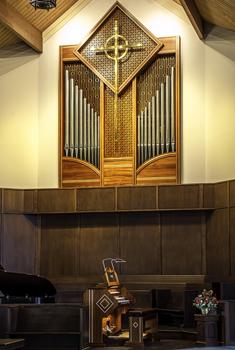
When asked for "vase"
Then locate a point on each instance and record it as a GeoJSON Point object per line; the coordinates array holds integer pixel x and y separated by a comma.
{"type": "Point", "coordinates": [207, 331]}
{"type": "Point", "coordinates": [205, 311]}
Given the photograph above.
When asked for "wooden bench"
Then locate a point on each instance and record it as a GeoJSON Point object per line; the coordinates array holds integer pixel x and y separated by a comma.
{"type": "Point", "coordinates": [143, 323]}
{"type": "Point", "coordinates": [11, 344]}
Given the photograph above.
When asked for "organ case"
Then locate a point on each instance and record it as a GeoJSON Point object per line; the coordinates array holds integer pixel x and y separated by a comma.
{"type": "Point", "coordinates": [121, 129]}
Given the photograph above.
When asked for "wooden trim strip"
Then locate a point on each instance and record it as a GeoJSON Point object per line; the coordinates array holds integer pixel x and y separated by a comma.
{"type": "Point", "coordinates": [194, 16]}
{"type": "Point", "coordinates": [13, 20]}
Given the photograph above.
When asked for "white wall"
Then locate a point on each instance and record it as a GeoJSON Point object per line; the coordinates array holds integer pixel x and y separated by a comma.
{"type": "Point", "coordinates": [220, 116]}
{"type": "Point", "coordinates": [39, 79]}
{"type": "Point", "coordinates": [18, 127]}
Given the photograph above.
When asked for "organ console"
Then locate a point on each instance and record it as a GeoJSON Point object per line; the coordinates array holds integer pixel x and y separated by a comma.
{"type": "Point", "coordinates": [107, 305]}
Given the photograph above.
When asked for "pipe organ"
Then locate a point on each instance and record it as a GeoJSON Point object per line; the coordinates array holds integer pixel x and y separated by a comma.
{"type": "Point", "coordinates": [120, 106]}
{"type": "Point", "coordinates": [82, 120]}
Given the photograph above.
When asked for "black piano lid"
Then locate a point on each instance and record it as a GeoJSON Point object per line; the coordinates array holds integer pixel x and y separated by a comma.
{"type": "Point", "coordinates": [21, 284]}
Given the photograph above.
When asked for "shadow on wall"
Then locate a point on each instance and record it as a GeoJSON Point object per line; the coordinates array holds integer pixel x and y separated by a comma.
{"type": "Point", "coordinates": [221, 40]}
{"type": "Point", "coordinates": [14, 56]}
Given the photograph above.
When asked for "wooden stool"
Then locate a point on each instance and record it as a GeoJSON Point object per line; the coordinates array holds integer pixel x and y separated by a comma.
{"type": "Point", "coordinates": [11, 344]}
{"type": "Point", "coordinates": [140, 321]}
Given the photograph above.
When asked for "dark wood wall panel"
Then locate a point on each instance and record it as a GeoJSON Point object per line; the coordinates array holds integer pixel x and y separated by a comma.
{"type": "Point", "coordinates": [140, 243]}
{"type": "Point", "coordinates": [56, 201]}
{"type": "Point", "coordinates": [232, 193]}
{"type": "Point", "coordinates": [181, 196]}
{"type": "Point", "coordinates": [134, 198]}
{"type": "Point", "coordinates": [59, 244]}
{"type": "Point", "coordinates": [19, 242]}
{"type": "Point", "coordinates": [181, 243]}
{"type": "Point", "coordinates": [98, 240]}
{"type": "Point", "coordinates": [13, 200]}
{"type": "Point", "coordinates": [221, 195]}
{"type": "Point", "coordinates": [218, 260]}
{"type": "Point", "coordinates": [232, 240]}
{"type": "Point", "coordinates": [96, 199]}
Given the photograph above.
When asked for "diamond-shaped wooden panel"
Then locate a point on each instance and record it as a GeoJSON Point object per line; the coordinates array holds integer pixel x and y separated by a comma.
{"type": "Point", "coordinates": [135, 59]}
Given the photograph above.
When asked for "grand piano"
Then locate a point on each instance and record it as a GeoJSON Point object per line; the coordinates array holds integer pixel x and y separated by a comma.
{"type": "Point", "coordinates": [28, 310]}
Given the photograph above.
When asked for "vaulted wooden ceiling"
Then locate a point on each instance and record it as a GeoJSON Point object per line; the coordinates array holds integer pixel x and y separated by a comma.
{"type": "Point", "coordinates": [20, 22]}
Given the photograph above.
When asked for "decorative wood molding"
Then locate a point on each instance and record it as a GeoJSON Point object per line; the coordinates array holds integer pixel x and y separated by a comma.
{"type": "Point", "coordinates": [194, 16]}
{"type": "Point", "coordinates": [20, 26]}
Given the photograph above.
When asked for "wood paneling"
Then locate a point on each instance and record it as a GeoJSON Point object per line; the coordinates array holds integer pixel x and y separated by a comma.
{"type": "Point", "coordinates": [30, 201]}
{"type": "Point", "coordinates": [134, 198]}
{"type": "Point", "coordinates": [232, 193]}
{"type": "Point", "coordinates": [1, 200]}
{"type": "Point", "coordinates": [23, 29]}
{"type": "Point", "coordinates": [19, 242]}
{"type": "Point", "coordinates": [79, 173]}
{"type": "Point", "coordinates": [158, 170]}
{"type": "Point", "coordinates": [56, 201]}
{"type": "Point", "coordinates": [208, 196]}
{"type": "Point", "coordinates": [13, 201]}
{"type": "Point", "coordinates": [181, 243]}
{"type": "Point", "coordinates": [118, 171]}
{"type": "Point", "coordinates": [221, 195]}
{"type": "Point", "coordinates": [180, 196]}
{"type": "Point", "coordinates": [59, 244]}
{"type": "Point", "coordinates": [140, 243]}
{"type": "Point", "coordinates": [218, 262]}
{"type": "Point", "coordinates": [218, 12]}
{"type": "Point", "coordinates": [98, 240]}
{"type": "Point", "coordinates": [96, 199]}
{"type": "Point", "coordinates": [194, 16]}
{"type": "Point", "coordinates": [232, 240]}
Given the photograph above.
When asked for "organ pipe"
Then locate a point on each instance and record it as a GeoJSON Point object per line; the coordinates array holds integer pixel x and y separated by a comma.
{"type": "Point", "coordinates": [141, 137]}
{"type": "Point", "coordinates": [162, 117]}
{"type": "Point", "coordinates": [81, 125]}
{"type": "Point", "coordinates": [173, 109]}
{"type": "Point", "coordinates": [156, 122]}
{"type": "Point", "coordinates": [66, 142]}
{"type": "Point", "coordinates": [153, 126]}
{"type": "Point", "coordinates": [149, 130]}
{"type": "Point", "coordinates": [76, 108]}
{"type": "Point", "coordinates": [168, 101]}
{"type": "Point", "coordinates": [71, 116]}
{"type": "Point", "coordinates": [92, 135]}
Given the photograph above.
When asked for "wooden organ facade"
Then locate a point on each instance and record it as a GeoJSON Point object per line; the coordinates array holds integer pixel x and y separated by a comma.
{"type": "Point", "coordinates": [120, 106]}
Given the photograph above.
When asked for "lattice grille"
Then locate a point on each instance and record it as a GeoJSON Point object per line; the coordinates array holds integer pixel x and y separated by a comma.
{"type": "Point", "coordinates": [87, 81]}
{"type": "Point", "coordinates": [132, 32]}
{"type": "Point", "coordinates": [150, 80]}
{"type": "Point", "coordinates": [123, 146]}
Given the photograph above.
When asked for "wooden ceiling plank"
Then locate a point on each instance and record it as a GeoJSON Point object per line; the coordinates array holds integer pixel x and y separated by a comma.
{"type": "Point", "coordinates": [194, 16]}
{"type": "Point", "coordinates": [20, 26]}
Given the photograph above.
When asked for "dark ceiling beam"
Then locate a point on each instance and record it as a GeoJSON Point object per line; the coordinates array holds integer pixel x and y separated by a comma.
{"type": "Point", "coordinates": [13, 20]}
{"type": "Point", "coordinates": [194, 16]}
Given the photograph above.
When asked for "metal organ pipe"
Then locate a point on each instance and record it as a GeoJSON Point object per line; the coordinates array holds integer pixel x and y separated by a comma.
{"type": "Point", "coordinates": [76, 126]}
{"type": "Point", "coordinates": [173, 109]}
{"type": "Point", "coordinates": [66, 126]}
{"type": "Point", "coordinates": [149, 130]}
{"type": "Point", "coordinates": [156, 122]}
{"type": "Point", "coordinates": [71, 117]}
{"type": "Point", "coordinates": [162, 117]}
{"type": "Point", "coordinates": [84, 128]}
{"type": "Point", "coordinates": [168, 105]}
{"type": "Point", "coordinates": [141, 137]}
{"type": "Point", "coordinates": [153, 125]}
{"type": "Point", "coordinates": [81, 125]}
{"type": "Point", "coordinates": [92, 136]}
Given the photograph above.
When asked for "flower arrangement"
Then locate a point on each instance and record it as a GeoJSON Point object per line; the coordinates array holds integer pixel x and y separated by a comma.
{"type": "Point", "coordinates": [206, 302]}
